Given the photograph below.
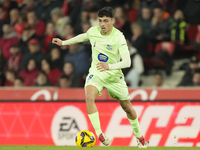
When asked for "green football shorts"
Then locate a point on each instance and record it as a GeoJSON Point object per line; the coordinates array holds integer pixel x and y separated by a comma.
{"type": "Point", "coordinates": [116, 88]}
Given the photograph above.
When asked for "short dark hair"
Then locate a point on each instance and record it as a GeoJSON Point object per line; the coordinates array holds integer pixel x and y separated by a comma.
{"type": "Point", "coordinates": [93, 9]}
{"type": "Point", "coordinates": [33, 11]}
{"type": "Point", "coordinates": [34, 62]}
{"type": "Point", "coordinates": [19, 78]}
{"type": "Point", "coordinates": [48, 60]}
{"type": "Point", "coordinates": [11, 71]}
{"type": "Point", "coordinates": [70, 62]}
{"type": "Point", "coordinates": [146, 7]}
{"type": "Point", "coordinates": [64, 77]}
{"type": "Point", "coordinates": [159, 74]}
{"type": "Point", "coordinates": [158, 7]}
{"type": "Point", "coordinates": [106, 11]}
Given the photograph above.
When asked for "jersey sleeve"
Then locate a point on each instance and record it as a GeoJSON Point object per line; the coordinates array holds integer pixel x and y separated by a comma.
{"type": "Point", "coordinates": [122, 45]}
{"type": "Point", "coordinates": [88, 33]}
{"type": "Point", "coordinates": [125, 63]}
{"type": "Point", "coordinates": [77, 39]}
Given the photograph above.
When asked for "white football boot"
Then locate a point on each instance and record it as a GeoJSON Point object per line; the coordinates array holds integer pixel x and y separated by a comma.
{"type": "Point", "coordinates": [142, 143]}
{"type": "Point", "coordinates": [104, 139]}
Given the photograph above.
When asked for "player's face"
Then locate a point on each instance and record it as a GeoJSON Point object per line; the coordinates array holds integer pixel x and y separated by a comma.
{"type": "Point", "coordinates": [106, 24]}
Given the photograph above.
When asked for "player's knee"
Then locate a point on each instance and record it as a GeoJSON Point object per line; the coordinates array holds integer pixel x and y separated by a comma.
{"type": "Point", "coordinates": [126, 106]}
{"type": "Point", "coordinates": [127, 109]}
{"type": "Point", "coordinates": [89, 98]}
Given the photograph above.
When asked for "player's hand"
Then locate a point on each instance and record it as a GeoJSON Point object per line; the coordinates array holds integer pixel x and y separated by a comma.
{"type": "Point", "coordinates": [102, 66]}
{"type": "Point", "coordinates": [57, 41]}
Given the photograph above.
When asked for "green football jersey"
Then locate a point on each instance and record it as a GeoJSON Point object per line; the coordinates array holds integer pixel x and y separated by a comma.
{"type": "Point", "coordinates": [106, 48]}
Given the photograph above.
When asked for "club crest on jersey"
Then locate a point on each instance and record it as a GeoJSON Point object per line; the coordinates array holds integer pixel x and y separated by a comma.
{"type": "Point", "coordinates": [123, 44]}
{"type": "Point", "coordinates": [102, 57]}
{"type": "Point", "coordinates": [109, 47]}
{"type": "Point", "coordinates": [90, 77]}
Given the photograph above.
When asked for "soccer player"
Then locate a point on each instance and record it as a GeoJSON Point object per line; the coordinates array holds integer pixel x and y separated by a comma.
{"type": "Point", "coordinates": [108, 46]}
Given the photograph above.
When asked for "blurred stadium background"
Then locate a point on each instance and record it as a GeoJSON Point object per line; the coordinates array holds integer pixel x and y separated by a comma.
{"type": "Point", "coordinates": [42, 96]}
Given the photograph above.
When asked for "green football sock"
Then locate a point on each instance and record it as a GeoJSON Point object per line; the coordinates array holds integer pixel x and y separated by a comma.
{"type": "Point", "coordinates": [94, 118]}
{"type": "Point", "coordinates": [136, 127]}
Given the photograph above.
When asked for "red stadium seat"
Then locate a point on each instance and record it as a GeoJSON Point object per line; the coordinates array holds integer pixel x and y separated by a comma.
{"type": "Point", "coordinates": [165, 46]}
{"type": "Point", "coordinates": [192, 32]}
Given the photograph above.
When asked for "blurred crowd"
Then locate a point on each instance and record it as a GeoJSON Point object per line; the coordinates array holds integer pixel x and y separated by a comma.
{"type": "Point", "coordinates": [157, 33]}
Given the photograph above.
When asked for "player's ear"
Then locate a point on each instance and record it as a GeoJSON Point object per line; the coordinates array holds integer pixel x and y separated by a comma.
{"type": "Point", "coordinates": [113, 20]}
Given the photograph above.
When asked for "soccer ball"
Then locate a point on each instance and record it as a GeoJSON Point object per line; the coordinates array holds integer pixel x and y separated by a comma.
{"type": "Point", "coordinates": [85, 138]}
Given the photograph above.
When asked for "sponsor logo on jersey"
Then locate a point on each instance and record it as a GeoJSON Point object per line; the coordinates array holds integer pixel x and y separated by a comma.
{"type": "Point", "coordinates": [102, 57]}
{"type": "Point", "coordinates": [109, 47]}
{"type": "Point", "coordinates": [66, 125]}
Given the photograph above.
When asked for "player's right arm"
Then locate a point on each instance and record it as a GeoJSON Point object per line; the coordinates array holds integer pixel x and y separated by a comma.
{"type": "Point", "coordinates": [77, 39]}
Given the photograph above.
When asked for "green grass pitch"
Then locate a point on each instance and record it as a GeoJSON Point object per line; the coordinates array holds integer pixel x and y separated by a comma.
{"type": "Point", "coordinates": [93, 148]}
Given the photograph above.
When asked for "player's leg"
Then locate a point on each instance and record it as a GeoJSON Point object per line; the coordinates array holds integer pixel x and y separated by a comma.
{"type": "Point", "coordinates": [133, 119]}
{"type": "Point", "coordinates": [132, 116]}
{"type": "Point", "coordinates": [119, 91]}
{"type": "Point", "coordinates": [90, 94]}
